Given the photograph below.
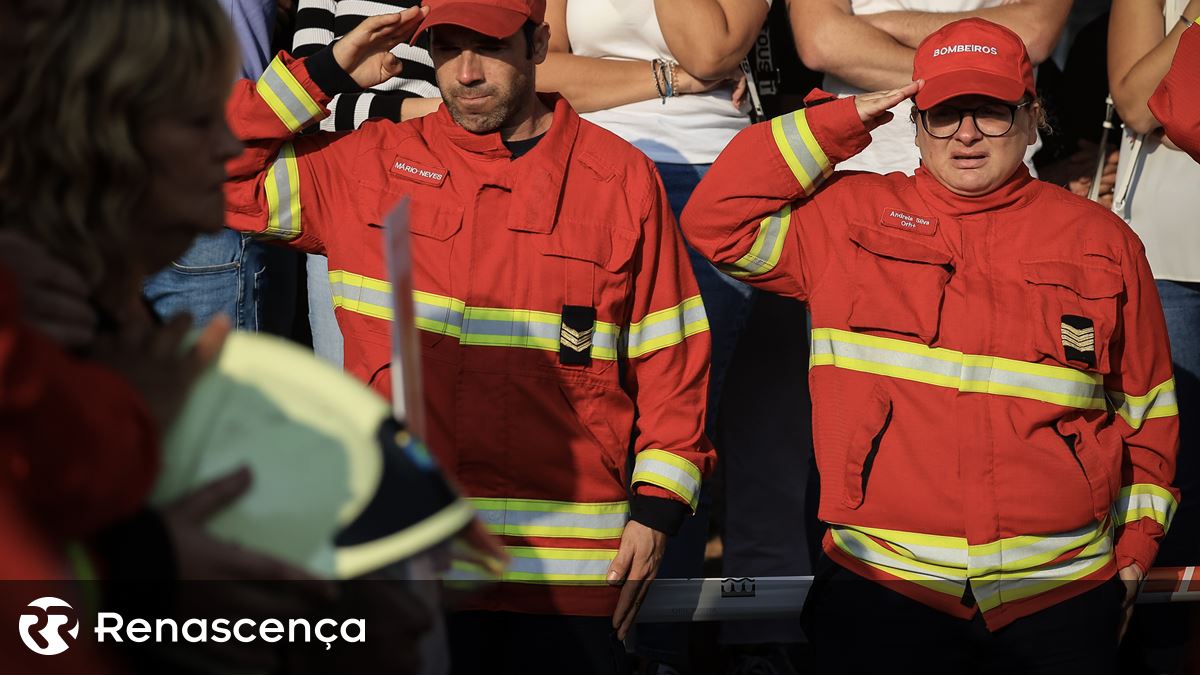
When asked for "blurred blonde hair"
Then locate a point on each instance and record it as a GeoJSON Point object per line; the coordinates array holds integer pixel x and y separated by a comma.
{"type": "Point", "coordinates": [92, 73]}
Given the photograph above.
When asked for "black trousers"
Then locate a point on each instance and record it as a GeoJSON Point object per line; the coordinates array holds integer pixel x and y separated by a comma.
{"type": "Point", "coordinates": [507, 643]}
{"type": "Point", "coordinates": [859, 626]}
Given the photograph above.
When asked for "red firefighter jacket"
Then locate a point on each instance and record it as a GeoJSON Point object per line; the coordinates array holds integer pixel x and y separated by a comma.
{"type": "Point", "coordinates": [1176, 102]}
{"type": "Point", "coordinates": [77, 444]}
{"type": "Point", "coordinates": [560, 322]}
{"type": "Point", "coordinates": [993, 404]}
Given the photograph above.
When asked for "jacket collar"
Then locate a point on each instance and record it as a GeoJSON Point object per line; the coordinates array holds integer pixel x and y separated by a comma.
{"type": "Point", "coordinates": [1018, 191]}
{"type": "Point", "coordinates": [536, 180]}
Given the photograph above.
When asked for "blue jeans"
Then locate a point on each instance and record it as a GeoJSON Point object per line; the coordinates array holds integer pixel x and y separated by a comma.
{"type": "Point", "coordinates": [229, 273]}
{"type": "Point", "coordinates": [326, 334]}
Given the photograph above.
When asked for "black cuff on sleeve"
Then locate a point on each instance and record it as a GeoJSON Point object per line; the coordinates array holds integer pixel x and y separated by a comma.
{"type": "Point", "coordinates": [142, 572]}
{"type": "Point", "coordinates": [329, 76]}
{"type": "Point", "coordinates": [659, 513]}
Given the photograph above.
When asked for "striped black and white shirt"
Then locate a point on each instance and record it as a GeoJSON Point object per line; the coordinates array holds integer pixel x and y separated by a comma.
{"type": "Point", "coordinates": [320, 22]}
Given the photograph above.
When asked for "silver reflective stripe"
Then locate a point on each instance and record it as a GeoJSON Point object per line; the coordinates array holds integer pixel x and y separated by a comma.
{"type": "Point", "coordinates": [295, 107]}
{"type": "Point", "coordinates": [282, 220]}
{"type": "Point", "coordinates": [657, 472]}
{"type": "Point", "coordinates": [1024, 553]}
{"type": "Point", "coordinates": [341, 288]}
{"type": "Point", "coordinates": [848, 541]}
{"type": "Point", "coordinates": [763, 255]}
{"type": "Point", "coordinates": [542, 519]}
{"type": "Point", "coordinates": [796, 142]}
{"type": "Point", "coordinates": [1131, 507]}
{"type": "Point", "coordinates": [667, 326]}
{"type": "Point", "coordinates": [990, 593]}
{"type": "Point", "coordinates": [1136, 410]}
{"type": "Point", "coordinates": [965, 372]}
{"type": "Point", "coordinates": [559, 567]}
{"type": "Point", "coordinates": [529, 328]}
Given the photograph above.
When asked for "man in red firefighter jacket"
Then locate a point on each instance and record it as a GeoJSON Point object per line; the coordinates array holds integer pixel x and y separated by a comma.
{"type": "Point", "coordinates": [993, 403]}
{"type": "Point", "coordinates": [559, 319]}
{"type": "Point", "coordinates": [1176, 102]}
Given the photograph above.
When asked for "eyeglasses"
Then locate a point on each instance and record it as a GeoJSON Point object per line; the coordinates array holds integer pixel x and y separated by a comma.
{"type": "Point", "coordinates": [994, 118]}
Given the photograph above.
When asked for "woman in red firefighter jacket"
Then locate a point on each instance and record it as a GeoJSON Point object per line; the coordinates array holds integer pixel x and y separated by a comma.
{"type": "Point", "coordinates": [559, 319]}
{"type": "Point", "coordinates": [1176, 103]}
{"type": "Point", "coordinates": [993, 404]}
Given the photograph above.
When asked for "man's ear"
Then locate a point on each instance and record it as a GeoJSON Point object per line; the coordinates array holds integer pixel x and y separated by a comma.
{"type": "Point", "coordinates": [1035, 114]}
{"type": "Point", "coordinates": [541, 43]}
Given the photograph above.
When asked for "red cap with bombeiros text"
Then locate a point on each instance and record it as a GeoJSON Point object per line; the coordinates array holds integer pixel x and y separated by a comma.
{"type": "Point", "coordinates": [494, 18]}
{"type": "Point", "coordinates": [972, 56]}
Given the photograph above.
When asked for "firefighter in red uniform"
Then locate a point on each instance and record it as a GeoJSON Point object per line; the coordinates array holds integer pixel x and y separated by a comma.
{"type": "Point", "coordinates": [1176, 102]}
{"type": "Point", "coordinates": [559, 319]}
{"type": "Point", "coordinates": [993, 405]}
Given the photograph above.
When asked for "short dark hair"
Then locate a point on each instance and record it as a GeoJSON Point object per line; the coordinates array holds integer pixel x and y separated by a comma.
{"type": "Point", "coordinates": [529, 28]}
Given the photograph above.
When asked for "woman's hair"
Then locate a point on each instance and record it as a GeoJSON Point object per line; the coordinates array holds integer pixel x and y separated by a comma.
{"type": "Point", "coordinates": [92, 74]}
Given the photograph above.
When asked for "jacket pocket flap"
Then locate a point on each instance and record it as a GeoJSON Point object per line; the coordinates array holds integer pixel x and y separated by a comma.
{"type": "Point", "coordinates": [898, 247]}
{"type": "Point", "coordinates": [1087, 281]}
{"type": "Point", "coordinates": [608, 247]}
{"type": "Point", "coordinates": [437, 221]}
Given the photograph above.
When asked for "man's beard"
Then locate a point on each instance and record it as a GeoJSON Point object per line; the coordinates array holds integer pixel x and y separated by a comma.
{"type": "Point", "coordinates": [505, 106]}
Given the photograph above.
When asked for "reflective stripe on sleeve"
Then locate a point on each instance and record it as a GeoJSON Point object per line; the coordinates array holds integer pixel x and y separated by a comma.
{"type": "Point", "coordinates": [1144, 500]}
{"type": "Point", "coordinates": [361, 295]}
{"type": "Point", "coordinates": [800, 150]}
{"type": "Point", "coordinates": [1135, 410]}
{"type": "Point", "coordinates": [955, 370]}
{"type": "Point", "coordinates": [666, 328]}
{"type": "Point", "coordinates": [286, 97]}
{"type": "Point", "coordinates": [670, 472]}
{"type": "Point", "coordinates": [546, 518]}
{"type": "Point", "coordinates": [282, 186]}
{"type": "Point", "coordinates": [768, 246]}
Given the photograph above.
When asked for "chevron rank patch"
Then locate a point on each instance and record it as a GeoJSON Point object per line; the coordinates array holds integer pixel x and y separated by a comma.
{"type": "Point", "coordinates": [575, 335]}
{"type": "Point", "coordinates": [1079, 339]}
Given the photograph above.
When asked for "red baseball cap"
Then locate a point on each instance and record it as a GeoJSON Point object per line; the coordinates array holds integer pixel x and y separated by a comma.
{"type": "Point", "coordinates": [972, 56]}
{"type": "Point", "coordinates": [494, 18]}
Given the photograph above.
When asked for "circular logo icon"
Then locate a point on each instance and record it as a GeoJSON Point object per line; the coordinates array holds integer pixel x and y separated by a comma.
{"type": "Point", "coordinates": [42, 627]}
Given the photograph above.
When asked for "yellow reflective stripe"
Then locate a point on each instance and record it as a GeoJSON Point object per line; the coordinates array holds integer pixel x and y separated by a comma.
{"type": "Point", "coordinates": [864, 549]}
{"type": "Point", "coordinates": [545, 565]}
{"type": "Point", "coordinates": [1144, 500]}
{"type": "Point", "coordinates": [285, 96]}
{"type": "Point", "coordinates": [474, 326]}
{"type": "Point", "coordinates": [670, 472]}
{"type": "Point", "coordinates": [800, 150]}
{"type": "Point", "coordinates": [999, 571]}
{"type": "Point", "coordinates": [361, 295]}
{"type": "Point", "coordinates": [955, 370]}
{"type": "Point", "coordinates": [768, 246]}
{"type": "Point", "coordinates": [547, 518]}
{"type": "Point", "coordinates": [1160, 401]}
{"type": "Point", "coordinates": [282, 185]}
{"type": "Point", "coordinates": [666, 327]}
{"type": "Point", "coordinates": [993, 591]}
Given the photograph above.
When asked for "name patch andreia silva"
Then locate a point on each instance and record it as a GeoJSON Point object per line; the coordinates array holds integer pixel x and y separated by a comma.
{"type": "Point", "coordinates": [909, 222]}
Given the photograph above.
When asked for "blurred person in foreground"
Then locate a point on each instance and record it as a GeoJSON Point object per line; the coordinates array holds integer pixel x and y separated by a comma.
{"type": "Point", "coordinates": [106, 176]}
{"type": "Point", "coordinates": [993, 403]}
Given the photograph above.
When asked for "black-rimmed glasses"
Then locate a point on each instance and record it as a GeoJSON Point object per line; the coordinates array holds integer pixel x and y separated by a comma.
{"type": "Point", "coordinates": [994, 118]}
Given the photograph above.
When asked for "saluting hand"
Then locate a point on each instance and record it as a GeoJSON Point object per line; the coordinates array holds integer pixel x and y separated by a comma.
{"type": "Point", "coordinates": [365, 52]}
{"type": "Point", "coordinates": [874, 108]}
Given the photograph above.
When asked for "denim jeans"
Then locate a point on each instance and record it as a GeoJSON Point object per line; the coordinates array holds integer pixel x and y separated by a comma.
{"type": "Point", "coordinates": [229, 273]}
{"type": "Point", "coordinates": [326, 334]}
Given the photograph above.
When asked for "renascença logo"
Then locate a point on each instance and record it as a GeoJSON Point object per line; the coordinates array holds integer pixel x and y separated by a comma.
{"type": "Point", "coordinates": [42, 629]}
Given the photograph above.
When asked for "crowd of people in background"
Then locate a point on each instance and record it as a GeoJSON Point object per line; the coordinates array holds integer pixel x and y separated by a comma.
{"type": "Point", "coordinates": [651, 415]}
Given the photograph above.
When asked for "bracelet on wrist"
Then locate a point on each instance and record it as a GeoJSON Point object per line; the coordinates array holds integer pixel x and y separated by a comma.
{"type": "Point", "coordinates": [655, 66]}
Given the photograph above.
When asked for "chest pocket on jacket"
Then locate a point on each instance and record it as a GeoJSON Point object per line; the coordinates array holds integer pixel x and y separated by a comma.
{"type": "Point", "coordinates": [588, 266]}
{"type": "Point", "coordinates": [1074, 311]}
{"type": "Point", "coordinates": [898, 284]}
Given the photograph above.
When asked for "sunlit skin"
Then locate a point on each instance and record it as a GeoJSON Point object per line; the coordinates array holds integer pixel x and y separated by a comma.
{"type": "Point", "coordinates": [971, 164]}
{"type": "Point", "coordinates": [186, 148]}
{"type": "Point", "coordinates": [487, 83]}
